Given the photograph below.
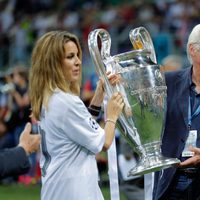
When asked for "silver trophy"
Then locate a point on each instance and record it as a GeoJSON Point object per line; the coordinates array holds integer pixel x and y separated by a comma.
{"type": "Point", "coordinates": [144, 90]}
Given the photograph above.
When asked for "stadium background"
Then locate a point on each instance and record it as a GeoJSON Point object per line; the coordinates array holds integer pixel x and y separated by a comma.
{"type": "Point", "coordinates": [23, 21]}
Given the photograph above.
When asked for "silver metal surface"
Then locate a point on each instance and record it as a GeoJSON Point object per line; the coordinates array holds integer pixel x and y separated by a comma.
{"type": "Point", "coordinates": [143, 87]}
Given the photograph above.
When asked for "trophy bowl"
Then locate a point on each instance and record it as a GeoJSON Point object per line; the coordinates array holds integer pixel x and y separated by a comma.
{"type": "Point", "coordinates": [143, 87]}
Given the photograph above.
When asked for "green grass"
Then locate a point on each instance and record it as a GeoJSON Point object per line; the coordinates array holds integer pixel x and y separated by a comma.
{"type": "Point", "coordinates": [20, 192]}
{"type": "Point", "coordinates": [32, 192]}
{"type": "Point", "coordinates": [106, 194]}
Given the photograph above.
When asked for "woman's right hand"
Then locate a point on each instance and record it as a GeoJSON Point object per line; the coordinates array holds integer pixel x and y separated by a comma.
{"type": "Point", "coordinates": [115, 106]}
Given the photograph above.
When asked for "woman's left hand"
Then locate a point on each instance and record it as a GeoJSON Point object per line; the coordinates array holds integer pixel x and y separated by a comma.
{"type": "Point", "coordinates": [113, 79]}
{"type": "Point", "coordinates": [100, 91]}
{"type": "Point", "coordinates": [100, 86]}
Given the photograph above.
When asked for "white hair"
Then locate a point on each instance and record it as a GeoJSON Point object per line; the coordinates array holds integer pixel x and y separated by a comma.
{"type": "Point", "coordinates": [193, 38]}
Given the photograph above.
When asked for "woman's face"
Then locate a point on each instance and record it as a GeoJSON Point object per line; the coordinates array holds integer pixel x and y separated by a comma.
{"type": "Point", "coordinates": [71, 62]}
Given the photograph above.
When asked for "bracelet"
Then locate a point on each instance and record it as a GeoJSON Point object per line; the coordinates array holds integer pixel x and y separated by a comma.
{"type": "Point", "coordinates": [95, 107]}
{"type": "Point", "coordinates": [94, 110]}
{"type": "Point", "coordinates": [110, 120]}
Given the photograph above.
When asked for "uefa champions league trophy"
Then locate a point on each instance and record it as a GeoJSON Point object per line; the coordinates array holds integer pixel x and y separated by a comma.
{"type": "Point", "coordinates": [144, 90]}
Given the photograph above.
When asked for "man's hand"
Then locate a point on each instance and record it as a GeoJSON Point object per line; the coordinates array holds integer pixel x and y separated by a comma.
{"type": "Point", "coordinates": [194, 160]}
{"type": "Point", "coordinates": [29, 142]}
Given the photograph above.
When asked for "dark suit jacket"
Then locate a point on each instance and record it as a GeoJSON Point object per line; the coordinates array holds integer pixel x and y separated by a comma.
{"type": "Point", "coordinates": [13, 161]}
{"type": "Point", "coordinates": [176, 127]}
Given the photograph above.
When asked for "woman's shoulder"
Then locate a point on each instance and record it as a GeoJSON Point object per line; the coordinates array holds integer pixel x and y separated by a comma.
{"type": "Point", "coordinates": [65, 98]}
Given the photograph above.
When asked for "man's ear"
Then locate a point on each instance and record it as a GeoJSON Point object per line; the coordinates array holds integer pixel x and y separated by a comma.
{"type": "Point", "coordinates": [191, 49]}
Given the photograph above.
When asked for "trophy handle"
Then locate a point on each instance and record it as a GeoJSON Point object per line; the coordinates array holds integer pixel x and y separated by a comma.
{"type": "Point", "coordinates": [141, 39]}
{"type": "Point", "coordinates": [103, 62]}
{"type": "Point", "coordinates": [100, 58]}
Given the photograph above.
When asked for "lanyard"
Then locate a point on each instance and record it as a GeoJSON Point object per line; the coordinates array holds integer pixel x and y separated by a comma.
{"type": "Point", "coordinates": [190, 115]}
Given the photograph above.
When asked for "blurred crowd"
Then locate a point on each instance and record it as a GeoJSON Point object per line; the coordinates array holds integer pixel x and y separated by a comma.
{"type": "Point", "coordinates": [23, 21]}
{"type": "Point", "coordinates": [15, 112]}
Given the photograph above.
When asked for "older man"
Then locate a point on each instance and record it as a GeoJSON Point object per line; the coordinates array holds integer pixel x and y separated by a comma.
{"type": "Point", "coordinates": [182, 129]}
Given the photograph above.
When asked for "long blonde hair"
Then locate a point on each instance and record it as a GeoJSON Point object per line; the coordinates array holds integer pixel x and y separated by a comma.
{"type": "Point", "coordinates": [46, 73]}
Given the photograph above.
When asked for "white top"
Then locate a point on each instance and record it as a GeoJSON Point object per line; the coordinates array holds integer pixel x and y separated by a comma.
{"type": "Point", "coordinates": [70, 140]}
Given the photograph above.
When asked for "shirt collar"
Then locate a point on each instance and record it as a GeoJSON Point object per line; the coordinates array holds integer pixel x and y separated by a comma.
{"type": "Point", "coordinates": [190, 78]}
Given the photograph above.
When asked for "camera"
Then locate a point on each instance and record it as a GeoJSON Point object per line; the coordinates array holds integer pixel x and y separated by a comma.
{"type": "Point", "coordinates": [7, 88]}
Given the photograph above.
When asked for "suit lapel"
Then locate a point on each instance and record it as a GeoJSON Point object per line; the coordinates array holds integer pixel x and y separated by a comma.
{"type": "Point", "coordinates": [182, 89]}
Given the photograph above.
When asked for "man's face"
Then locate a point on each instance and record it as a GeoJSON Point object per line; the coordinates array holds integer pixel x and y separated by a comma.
{"type": "Point", "coordinates": [195, 53]}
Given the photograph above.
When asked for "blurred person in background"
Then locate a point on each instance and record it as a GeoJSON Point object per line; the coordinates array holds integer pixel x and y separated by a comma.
{"type": "Point", "coordinates": [6, 126]}
{"type": "Point", "coordinates": [16, 108]}
{"type": "Point", "coordinates": [70, 135]}
{"type": "Point", "coordinates": [172, 63]}
{"type": "Point", "coordinates": [21, 102]}
{"type": "Point", "coordinates": [182, 129]}
{"type": "Point", "coordinates": [16, 113]}
{"type": "Point", "coordinates": [15, 161]}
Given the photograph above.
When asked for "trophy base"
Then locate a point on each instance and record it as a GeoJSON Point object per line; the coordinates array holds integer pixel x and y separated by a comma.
{"type": "Point", "coordinates": [152, 161]}
{"type": "Point", "coordinates": [145, 168]}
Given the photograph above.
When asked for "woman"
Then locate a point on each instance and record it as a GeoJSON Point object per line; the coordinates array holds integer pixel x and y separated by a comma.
{"type": "Point", "coordinates": [70, 135]}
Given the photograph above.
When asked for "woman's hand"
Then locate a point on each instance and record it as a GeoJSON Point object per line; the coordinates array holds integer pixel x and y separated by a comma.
{"type": "Point", "coordinates": [100, 91]}
{"type": "Point", "coordinates": [100, 87]}
{"type": "Point", "coordinates": [115, 106]}
{"type": "Point", "coordinates": [113, 80]}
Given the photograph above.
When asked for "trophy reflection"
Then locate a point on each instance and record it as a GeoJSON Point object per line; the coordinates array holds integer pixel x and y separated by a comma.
{"type": "Point", "coordinates": [144, 90]}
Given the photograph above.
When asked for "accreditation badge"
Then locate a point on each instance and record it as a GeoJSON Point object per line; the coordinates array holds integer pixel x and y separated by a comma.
{"type": "Point", "coordinates": [191, 141]}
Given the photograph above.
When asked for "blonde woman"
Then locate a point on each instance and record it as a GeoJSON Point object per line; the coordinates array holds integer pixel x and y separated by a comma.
{"type": "Point", "coordinates": [70, 135]}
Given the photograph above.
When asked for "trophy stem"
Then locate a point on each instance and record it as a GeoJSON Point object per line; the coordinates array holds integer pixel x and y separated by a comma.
{"type": "Point", "coordinates": [152, 160]}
